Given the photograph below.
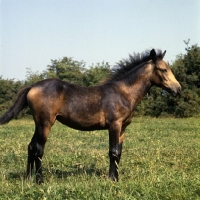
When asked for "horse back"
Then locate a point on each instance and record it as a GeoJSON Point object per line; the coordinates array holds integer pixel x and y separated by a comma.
{"type": "Point", "coordinates": [75, 106]}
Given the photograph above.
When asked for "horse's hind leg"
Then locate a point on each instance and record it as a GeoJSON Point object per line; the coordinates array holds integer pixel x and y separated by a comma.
{"type": "Point", "coordinates": [30, 162]}
{"type": "Point", "coordinates": [36, 150]}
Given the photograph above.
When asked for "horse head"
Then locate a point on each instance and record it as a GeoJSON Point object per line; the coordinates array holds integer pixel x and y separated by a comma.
{"type": "Point", "coordinates": [162, 75]}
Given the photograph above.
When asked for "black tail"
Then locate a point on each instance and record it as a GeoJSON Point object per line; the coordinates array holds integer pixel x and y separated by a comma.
{"type": "Point", "coordinates": [15, 109]}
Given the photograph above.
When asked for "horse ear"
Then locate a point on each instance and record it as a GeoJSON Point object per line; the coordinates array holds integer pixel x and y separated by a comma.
{"type": "Point", "coordinates": [153, 55]}
{"type": "Point", "coordinates": [163, 54]}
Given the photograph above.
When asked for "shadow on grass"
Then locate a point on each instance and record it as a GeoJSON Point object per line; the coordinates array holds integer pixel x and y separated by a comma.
{"type": "Point", "coordinates": [198, 192]}
{"type": "Point", "coordinates": [16, 175]}
{"type": "Point", "coordinates": [77, 170]}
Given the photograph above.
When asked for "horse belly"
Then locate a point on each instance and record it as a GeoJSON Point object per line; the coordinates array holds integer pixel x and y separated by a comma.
{"type": "Point", "coordinates": [84, 121]}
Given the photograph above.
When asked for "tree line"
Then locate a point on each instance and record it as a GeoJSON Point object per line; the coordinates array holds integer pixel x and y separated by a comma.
{"type": "Point", "coordinates": [186, 69]}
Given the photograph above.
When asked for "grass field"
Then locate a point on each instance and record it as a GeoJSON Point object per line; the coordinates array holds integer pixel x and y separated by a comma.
{"type": "Point", "coordinates": [160, 160]}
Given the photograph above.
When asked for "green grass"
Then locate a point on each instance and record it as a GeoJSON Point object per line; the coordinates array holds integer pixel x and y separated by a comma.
{"type": "Point", "coordinates": [160, 160]}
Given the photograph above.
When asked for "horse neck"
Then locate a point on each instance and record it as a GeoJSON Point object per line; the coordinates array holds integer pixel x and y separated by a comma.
{"type": "Point", "coordinates": [137, 84]}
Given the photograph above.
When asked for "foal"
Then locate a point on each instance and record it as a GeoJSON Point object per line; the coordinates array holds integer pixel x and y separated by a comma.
{"type": "Point", "coordinates": [108, 106]}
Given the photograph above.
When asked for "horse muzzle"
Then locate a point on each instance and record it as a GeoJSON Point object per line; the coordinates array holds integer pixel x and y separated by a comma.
{"type": "Point", "coordinates": [176, 91]}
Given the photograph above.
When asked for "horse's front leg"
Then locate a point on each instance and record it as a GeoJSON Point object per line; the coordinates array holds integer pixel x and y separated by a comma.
{"type": "Point", "coordinates": [115, 149]}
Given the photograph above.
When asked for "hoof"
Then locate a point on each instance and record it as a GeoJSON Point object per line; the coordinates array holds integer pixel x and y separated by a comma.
{"type": "Point", "coordinates": [113, 178]}
{"type": "Point", "coordinates": [39, 179]}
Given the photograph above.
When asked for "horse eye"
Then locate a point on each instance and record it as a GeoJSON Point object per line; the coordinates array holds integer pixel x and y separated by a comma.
{"type": "Point", "coordinates": [163, 70]}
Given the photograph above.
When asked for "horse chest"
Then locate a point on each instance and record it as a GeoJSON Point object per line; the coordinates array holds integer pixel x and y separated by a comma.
{"type": "Point", "coordinates": [128, 120]}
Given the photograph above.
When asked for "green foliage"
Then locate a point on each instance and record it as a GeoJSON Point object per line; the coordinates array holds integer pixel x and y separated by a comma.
{"type": "Point", "coordinates": [33, 77]}
{"type": "Point", "coordinates": [160, 160]}
{"type": "Point", "coordinates": [95, 74]}
{"type": "Point", "coordinates": [187, 70]}
{"type": "Point", "coordinates": [8, 92]}
{"type": "Point", "coordinates": [75, 72]}
{"type": "Point", "coordinates": [66, 69]}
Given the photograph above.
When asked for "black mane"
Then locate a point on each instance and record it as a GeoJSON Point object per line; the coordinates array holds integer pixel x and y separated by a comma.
{"type": "Point", "coordinates": [126, 65]}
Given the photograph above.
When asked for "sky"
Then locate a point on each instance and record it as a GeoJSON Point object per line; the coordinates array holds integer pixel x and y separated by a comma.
{"type": "Point", "coordinates": [35, 32]}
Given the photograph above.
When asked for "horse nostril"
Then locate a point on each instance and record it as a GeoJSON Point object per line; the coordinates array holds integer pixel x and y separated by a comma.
{"type": "Point", "coordinates": [179, 90]}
